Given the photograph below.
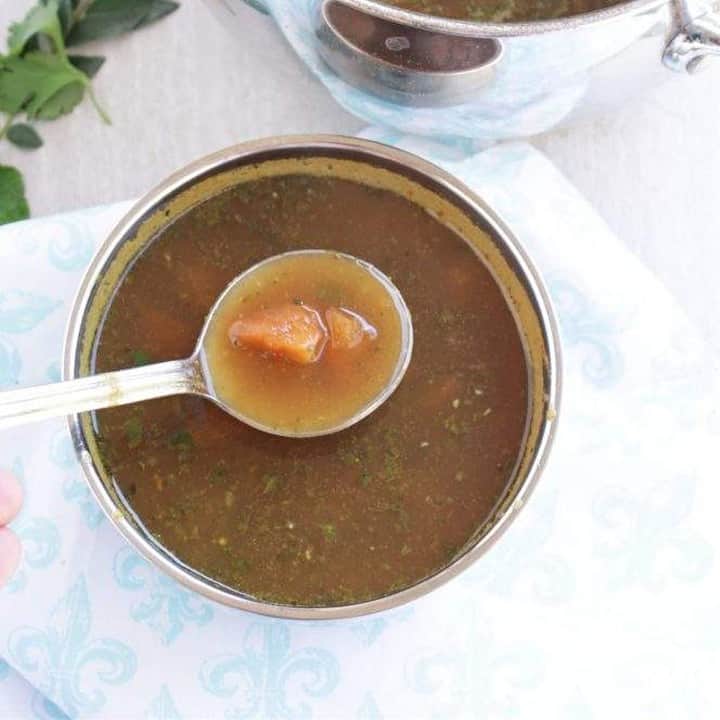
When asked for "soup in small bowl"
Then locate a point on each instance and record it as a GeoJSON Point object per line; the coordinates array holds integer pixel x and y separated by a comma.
{"type": "Point", "coordinates": [360, 520]}
{"type": "Point", "coordinates": [500, 11]}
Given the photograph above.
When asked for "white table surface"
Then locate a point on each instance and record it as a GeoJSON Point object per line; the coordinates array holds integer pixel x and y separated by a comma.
{"type": "Point", "coordinates": [186, 87]}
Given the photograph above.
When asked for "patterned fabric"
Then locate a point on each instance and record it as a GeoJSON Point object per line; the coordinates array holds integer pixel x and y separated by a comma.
{"type": "Point", "coordinates": [602, 600]}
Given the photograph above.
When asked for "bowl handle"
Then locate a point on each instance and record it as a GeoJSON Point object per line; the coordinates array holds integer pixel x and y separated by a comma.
{"type": "Point", "coordinates": [697, 40]}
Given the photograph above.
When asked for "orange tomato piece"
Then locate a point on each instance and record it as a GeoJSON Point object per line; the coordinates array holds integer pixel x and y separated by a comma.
{"type": "Point", "coordinates": [347, 329]}
{"type": "Point", "coordinates": [294, 332]}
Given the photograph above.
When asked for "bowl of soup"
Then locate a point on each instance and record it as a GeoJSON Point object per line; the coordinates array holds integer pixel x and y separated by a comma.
{"type": "Point", "coordinates": [488, 69]}
{"type": "Point", "coordinates": [347, 523]}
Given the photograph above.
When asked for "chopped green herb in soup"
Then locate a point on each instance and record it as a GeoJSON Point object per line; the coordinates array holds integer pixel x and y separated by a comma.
{"type": "Point", "coordinates": [502, 10]}
{"type": "Point", "coordinates": [345, 517]}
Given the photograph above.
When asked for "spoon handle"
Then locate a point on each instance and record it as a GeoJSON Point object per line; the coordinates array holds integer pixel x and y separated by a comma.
{"type": "Point", "coordinates": [98, 391]}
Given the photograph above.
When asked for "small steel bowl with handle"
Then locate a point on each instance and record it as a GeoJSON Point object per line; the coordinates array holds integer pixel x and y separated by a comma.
{"type": "Point", "coordinates": [436, 76]}
{"type": "Point", "coordinates": [349, 158]}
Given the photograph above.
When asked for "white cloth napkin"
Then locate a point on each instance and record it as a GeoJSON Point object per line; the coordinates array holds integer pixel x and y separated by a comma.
{"type": "Point", "coordinates": [601, 601]}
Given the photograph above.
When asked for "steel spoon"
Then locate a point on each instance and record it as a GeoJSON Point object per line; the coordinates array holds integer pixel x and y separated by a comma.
{"type": "Point", "coordinates": [189, 376]}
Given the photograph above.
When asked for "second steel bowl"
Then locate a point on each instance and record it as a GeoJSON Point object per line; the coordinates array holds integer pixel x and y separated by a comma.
{"type": "Point", "coordinates": [437, 76]}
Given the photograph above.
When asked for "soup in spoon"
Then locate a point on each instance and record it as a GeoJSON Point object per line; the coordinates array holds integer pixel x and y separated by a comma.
{"type": "Point", "coordinates": [306, 341]}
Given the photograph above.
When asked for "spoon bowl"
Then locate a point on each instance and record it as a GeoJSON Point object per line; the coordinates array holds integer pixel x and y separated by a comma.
{"type": "Point", "coordinates": [401, 365]}
{"type": "Point", "coordinates": [194, 375]}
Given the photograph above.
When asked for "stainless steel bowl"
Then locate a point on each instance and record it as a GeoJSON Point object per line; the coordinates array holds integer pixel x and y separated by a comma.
{"type": "Point", "coordinates": [434, 76]}
{"type": "Point", "coordinates": [377, 165]}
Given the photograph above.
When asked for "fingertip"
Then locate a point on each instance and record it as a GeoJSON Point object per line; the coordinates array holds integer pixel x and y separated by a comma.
{"type": "Point", "coordinates": [10, 496]}
{"type": "Point", "coordinates": [10, 552]}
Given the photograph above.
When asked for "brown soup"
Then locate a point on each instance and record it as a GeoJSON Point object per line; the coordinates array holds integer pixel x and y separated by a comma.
{"type": "Point", "coordinates": [502, 10]}
{"type": "Point", "coordinates": [304, 342]}
{"type": "Point", "coordinates": [346, 517]}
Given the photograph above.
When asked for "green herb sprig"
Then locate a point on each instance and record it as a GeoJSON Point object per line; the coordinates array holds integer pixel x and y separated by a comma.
{"type": "Point", "coordinates": [41, 80]}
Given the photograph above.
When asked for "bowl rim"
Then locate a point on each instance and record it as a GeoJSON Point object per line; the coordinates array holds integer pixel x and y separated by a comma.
{"type": "Point", "coordinates": [368, 150]}
{"type": "Point", "coordinates": [484, 30]}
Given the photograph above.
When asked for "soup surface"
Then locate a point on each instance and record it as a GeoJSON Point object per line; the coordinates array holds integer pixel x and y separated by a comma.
{"type": "Point", "coordinates": [346, 517]}
{"type": "Point", "coordinates": [502, 10]}
{"type": "Point", "coordinates": [304, 342]}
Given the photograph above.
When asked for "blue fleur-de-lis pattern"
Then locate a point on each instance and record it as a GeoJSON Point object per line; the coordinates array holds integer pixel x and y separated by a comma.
{"type": "Point", "coordinates": [53, 374]}
{"type": "Point", "coordinates": [71, 665]}
{"type": "Point", "coordinates": [163, 707]}
{"type": "Point", "coordinates": [74, 488]}
{"type": "Point", "coordinates": [583, 326]}
{"type": "Point", "coordinates": [577, 708]}
{"type": "Point", "coordinates": [41, 546]}
{"type": "Point", "coordinates": [40, 536]}
{"type": "Point", "coordinates": [76, 492]}
{"type": "Point", "coordinates": [166, 607]}
{"type": "Point", "coordinates": [600, 601]}
{"type": "Point", "coordinates": [10, 363]}
{"type": "Point", "coordinates": [21, 311]}
{"type": "Point", "coordinates": [523, 565]}
{"type": "Point", "coordinates": [486, 680]}
{"type": "Point", "coordinates": [371, 630]}
{"type": "Point", "coordinates": [643, 537]}
{"type": "Point", "coordinates": [45, 709]}
{"type": "Point", "coordinates": [19, 700]}
{"type": "Point", "coordinates": [369, 709]}
{"type": "Point", "coordinates": [268, 678]}
{"type": "Point", "coordinates": [68, 251]}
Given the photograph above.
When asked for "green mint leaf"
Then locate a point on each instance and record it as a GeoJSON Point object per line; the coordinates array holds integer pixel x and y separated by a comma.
{"type": "Point", "coordinates": [40, 19]}
{"type": "Point", "coordinates": [133, 431]}
{"type": "Point", "coordinates": [109, 18]}
{"type": "Point", "coordinates": [159, 9]}
{"type": "Point", "coordinates": [24, 136]}
{"type": "Point", "coordinates": [44, 86]}
{"type": "Point", "coordinates": [65, 14]}
{"type": "Point", "coordinates": [13, 205]}
{"type": "Point", "coordinates": [88, 64]}
{"type": "Point", "coordinates": [218, 473]}
{"type": "Point", "coordinates": [272, 483]}
{"type": "Point", "coordinates": [62, 102]}
{"type": "Point", "coordinates": [140, 357]}
{"type": "Point", "coordinates": [182, 440]}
